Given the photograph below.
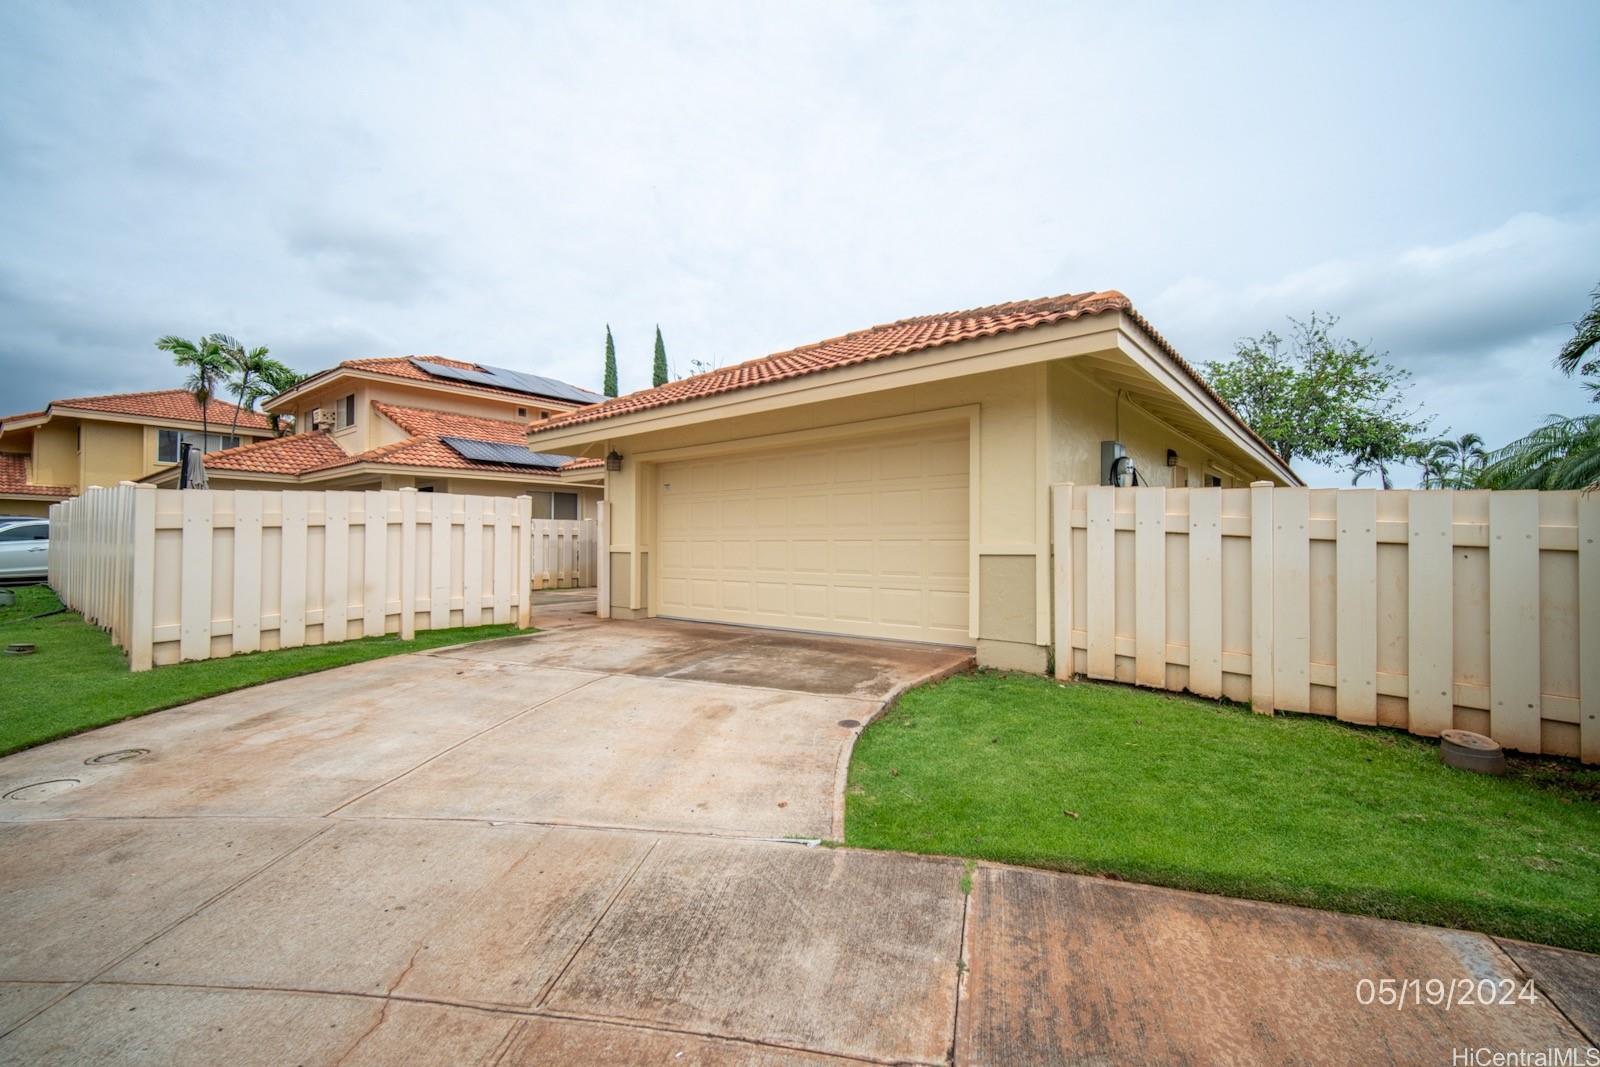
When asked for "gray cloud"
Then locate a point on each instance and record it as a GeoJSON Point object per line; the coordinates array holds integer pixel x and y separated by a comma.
{"type": "Point", "coordinates": [501, 181]}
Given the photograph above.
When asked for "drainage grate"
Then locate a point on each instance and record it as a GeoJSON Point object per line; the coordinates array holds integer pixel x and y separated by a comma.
{"type": "Point", "coordinates": [121, 755]}
{"type": "Point", "coordinates": [42, 790]}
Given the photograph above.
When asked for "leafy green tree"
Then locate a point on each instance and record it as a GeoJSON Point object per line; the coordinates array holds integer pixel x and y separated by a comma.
{"type": "Point", "coordinates": [610, 387]}
{"type": "Point", "coordinates": [1564, 453]}
{"type": "Point", "coordinates": [1581, 355]}
{"type": "Point", "coordinates": [207, 366]}
{"type": "Point", "coordinates": [244, 374]}
{"type": "Point", "coordinates": [1321, 398]}
{"type": "Point", "coordinates": [658, 373]}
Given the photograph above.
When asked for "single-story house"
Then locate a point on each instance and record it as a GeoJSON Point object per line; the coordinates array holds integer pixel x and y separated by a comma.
{"type": "Point", "coordinates": [895, 482]}
{"type": "Point", "coordinates": [416, 422]}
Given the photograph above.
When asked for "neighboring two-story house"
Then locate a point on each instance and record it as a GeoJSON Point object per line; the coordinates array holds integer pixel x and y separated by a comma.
{"type": "Point", "coordinates": [420, 422]}
{"type": "Point", "coordinates": [49, 455]}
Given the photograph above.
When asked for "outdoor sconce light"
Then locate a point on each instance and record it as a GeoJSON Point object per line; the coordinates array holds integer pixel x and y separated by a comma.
{"type": "Point", "coordinates": [613, 460]}
{"type": "Point", "coordinates": [1172, 458]}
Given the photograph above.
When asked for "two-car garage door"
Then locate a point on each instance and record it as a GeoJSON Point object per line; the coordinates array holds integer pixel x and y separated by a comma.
{"type": "Point", "coordinates": [865, 537]}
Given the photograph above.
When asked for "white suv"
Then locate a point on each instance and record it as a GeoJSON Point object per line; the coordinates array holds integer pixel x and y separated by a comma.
{"type": "Point", "coordinates": [24, 550]}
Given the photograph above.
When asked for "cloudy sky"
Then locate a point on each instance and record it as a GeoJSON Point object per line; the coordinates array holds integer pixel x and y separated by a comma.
{"type": "Point", "coordinates": [498, 182]}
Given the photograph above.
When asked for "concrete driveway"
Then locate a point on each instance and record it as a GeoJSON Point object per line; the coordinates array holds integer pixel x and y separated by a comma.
{"type": "Point", "coordinates": [571, 848]}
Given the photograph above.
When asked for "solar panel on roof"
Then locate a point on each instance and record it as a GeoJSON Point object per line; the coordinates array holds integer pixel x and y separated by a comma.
{"type": "Point", "coordinates": [500, 452]}
{"type": "Point", "coordinates": [514, 380]}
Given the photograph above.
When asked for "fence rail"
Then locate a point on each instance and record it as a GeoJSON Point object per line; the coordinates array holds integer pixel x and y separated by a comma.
{"type": "Point", "coordinates": [1424, 610]}
{"type": "Point", "coordinates": [202, 574]}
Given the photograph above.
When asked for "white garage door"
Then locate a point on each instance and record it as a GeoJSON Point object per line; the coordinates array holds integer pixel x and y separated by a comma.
{"type": "Point", "coordinates": [868, 537]}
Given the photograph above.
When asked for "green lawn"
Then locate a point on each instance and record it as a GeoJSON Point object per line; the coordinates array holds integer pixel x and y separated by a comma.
{"type": "Point", "coordinates": [1171, 790]}
{"type": "Point", "coordinates": [78, 680]}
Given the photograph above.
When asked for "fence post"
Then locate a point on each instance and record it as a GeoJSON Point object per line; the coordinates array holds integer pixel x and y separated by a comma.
{"type": "Point", "coordinates": [246, 571]}
{"type": "Point", "coordinates": [1150, 586]}
{"type": "Point", "coordinates": [1100, 583]}
{"type": "Point", "coordinates": [1589, 626]}
{"type": "Point", "coordinates": [142, 595]}
{"type": "Point", "coordinates": [1061, 569]}
{"type": "Point", "coordinates": [195, 612]}
{"type": "Point", "coordinates": [1514, 698]}
{"type": "Point", "coordinates": [1261, 664]}
{"type": "Point", "coordinates": [525, 562]}
{"type": "Point", "coordinates": [1205, 592]}
{"type": "Point", "coordinates": [1430, 623]}
{"type": "Point", "coordinates": [602, 559]}
{"type": "Point", "coordinates": [1356, 628]}
{"type": "Point", "coordinates": [408, 563]}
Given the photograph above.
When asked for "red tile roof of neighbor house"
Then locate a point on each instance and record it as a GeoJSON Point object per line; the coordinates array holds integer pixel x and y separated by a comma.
{"type": "Point", "coordinates": [879, 342]}
{"type": "Point", "coordinates": [173, 404]}
{"type": "Point", "coordinates": [294, 454]}
{"type": "Point", "coordinates": [308, 452]}
{"type": "Point", "coordinates": [403, 367]}
{"type": "Point", "coordinates": [14, 478]}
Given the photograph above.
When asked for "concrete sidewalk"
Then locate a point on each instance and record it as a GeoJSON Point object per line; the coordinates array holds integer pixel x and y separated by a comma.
{"type": "Point", "coordinates": [567, 849]}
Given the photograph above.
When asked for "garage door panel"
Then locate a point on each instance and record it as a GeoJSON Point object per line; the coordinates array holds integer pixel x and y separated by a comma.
{"type": "Point", "coordinates": [901, 607]}
{"type": "Point", "coordinates": [809, 557]}
{"type": "Point", "coordinates": [809, 601]}
{"type": "Point", "coordinates": [898, 507]}
{"type": "Point", "coordinates": [946, 559]}
{"type": "Point", "coordinates": [867, 538]}
{"type": "Point", "coordinates": [853, 557]}
{"type": "Point", "coordinates": [808, 510]}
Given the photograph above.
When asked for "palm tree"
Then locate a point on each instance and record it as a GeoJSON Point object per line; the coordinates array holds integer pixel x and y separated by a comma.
{"type": "Point", "coordinates": [1451, 462]}
{"type": "Point", "coordinates": [1433, 458]}
{"type": "Point", "coordinates": [273, 378]}
{"type": "Point", "coordinates": [1371, 461]}
{"type": "Point", "coordinates": [207, 365]}
{"type": "Point", "coordinates": [244, 368]}
{"type": "Point", "coordinates": [1579, 350]}
{"type": "Point", "coordinates": [1564, 453]}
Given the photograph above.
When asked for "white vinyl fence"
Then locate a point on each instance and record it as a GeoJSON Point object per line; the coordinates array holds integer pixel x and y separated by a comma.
{"type": "Point", "coordinates": [201, 574]}
{"type": "Point", "coordinates": [564, 553]}
{"type": "Point", "coordinates": [1423, 610]}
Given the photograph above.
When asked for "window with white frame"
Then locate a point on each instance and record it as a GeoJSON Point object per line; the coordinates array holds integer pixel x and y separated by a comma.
{"type": "Point", "coordinates": [168, 442]}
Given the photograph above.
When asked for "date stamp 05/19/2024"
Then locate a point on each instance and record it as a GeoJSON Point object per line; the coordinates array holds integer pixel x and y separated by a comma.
{"type": "Point", "coordinates": [1447, 993]}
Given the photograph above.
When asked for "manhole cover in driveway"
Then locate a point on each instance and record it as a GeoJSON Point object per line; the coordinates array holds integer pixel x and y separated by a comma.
{"type": "Point", "coordinates": [42, 790]}
{"type": "Point", "coordinates": [121, 755]}
{"type": "Point", "coordinates": [851, 723]}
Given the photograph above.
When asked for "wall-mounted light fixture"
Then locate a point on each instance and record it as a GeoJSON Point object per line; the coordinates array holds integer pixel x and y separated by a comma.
{"type": "Point", "coordinates": [613, 460]}
{"type": "Point", "coordinates": [1172, 458]}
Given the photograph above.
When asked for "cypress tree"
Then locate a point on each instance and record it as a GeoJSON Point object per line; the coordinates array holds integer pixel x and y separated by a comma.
{"type": "Point", "coordinates": [659, 375]}
{"type": "Point", "coordinates": [610, 387]}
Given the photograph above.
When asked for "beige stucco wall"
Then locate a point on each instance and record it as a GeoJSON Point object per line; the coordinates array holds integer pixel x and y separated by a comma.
{"type": "Point", "coordinates": [55, 453]}
{"type": "Point", "coordinates": [372, 430]}
{"type": "Point", "coordinates": [1036, 424]}
{"type": "Point", "coordinates": [25, 505]}
{"type": "Point", "coordinates": [1084, 412]}
{"type": "Point", "coordinates": [112, 452]}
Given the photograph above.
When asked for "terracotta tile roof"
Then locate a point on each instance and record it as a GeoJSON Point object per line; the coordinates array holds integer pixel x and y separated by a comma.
{"type": "Point", "coordinates": [14, 478]}
{"type": "Point", "coordinates": [310, 452]}
{"type": "Point", "coordinates": [582, 464]}
{"type": "Point", "coordinates": [295, 454]}
{"type": "Point", "coordinates": [19, 416]}
{"type": "Point", "coordinates": [433, 423]}
{"type": "Point", "coordinates": [880, 342]}
{"type": "Point", "coordinates": [862, 346]}
{"type": "Point", "coordinates": [172, 404]}
{"type": "Point", "coordinates": [402, 367]}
